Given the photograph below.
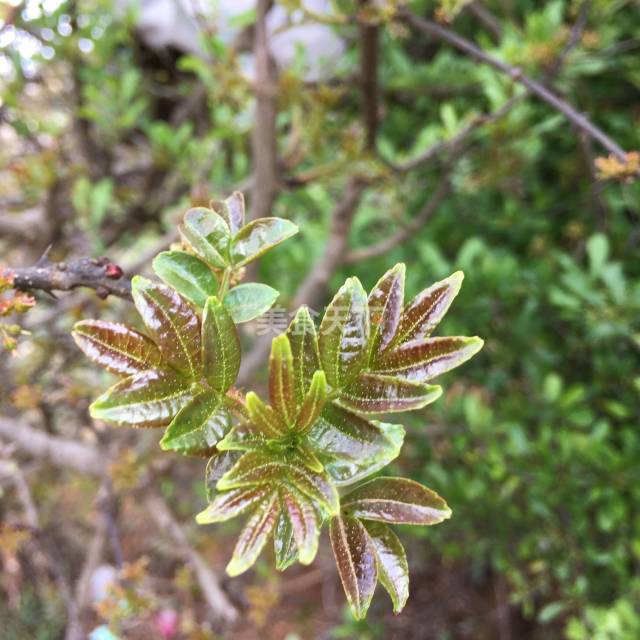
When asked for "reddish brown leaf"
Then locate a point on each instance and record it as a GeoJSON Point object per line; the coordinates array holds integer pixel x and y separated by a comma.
{"type": "Point", "coordinates": [385, 308]}
{"type": "Point", "coordinates": [397, 501]}
{"type": "Point", "coordinates": [355, 557]}
{"type": "Point", "coordinates": [116, 347]}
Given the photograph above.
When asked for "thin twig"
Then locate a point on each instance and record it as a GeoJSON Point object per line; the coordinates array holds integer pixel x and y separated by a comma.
{"type": "Point", "coordinates": [369, 38]}
{"type": "Point", "coordinates": [517, 75]}
{"type": "Point", "coordinates": [266, 178]}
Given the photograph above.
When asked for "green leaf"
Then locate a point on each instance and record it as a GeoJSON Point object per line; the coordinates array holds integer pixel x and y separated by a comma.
{"type": "Point", "coordinates": [355, 557]}
{"type": "Point", "coordinates": [208, 235]}
{"type": "Point", "coordinates": [232, 210]}
{"type": "Point", "coordinates": [243, 437]}
{"type": "Point", "coordinates": [254, 535]}
{"type": "Point", "coordinates": [304, 349]}
{"type": "Point", "coordinates": [261, 467]}
{"type": "Point", "coordinates": [248, 301]}
{"type": "Point", "coordinates": [304, 522]}
{"type": "Point", "coordinates": [258, 237]}
{"type": "Point", "coordinates": [281, 385]}
{"type": "Point", "coordinates": [424, 312]}
{"type": "Point", "coordinates": [116, 347]}
{"type": "Point", "coordinates": [344, 334]}
{"type": "Point", "coordinates": [218, 464]}
{"type": "Point", "coordinates": [393, 569]}
{"type": "Point", "coordinates": [198, 427]}
{"type": "Point", "coordinates": [187, 274]}
{"type": "Point", "coordinates": [305, 456]}
{"type": "Point", "coordinates": [313, 403]}
{"type": "Point", "coordinates": [423, 360]}
{"type": "Point", "coordinates": [264, 417]}
{"type": "Point", "coordinates": [339, 433]}
{"type": "Point", "coordinates": [396, 501]}
{"type": "Point", "coordinates": [284, 543]}
{"type": "Point", "coordinates": [220, 346]}
{"type": "Point", "coordinates": [385, 308]}
{"type": "Point", "coordinates": [229, 504]}
{"type": "Point", "coordinates": [376, 393]}
{"type": "Point", "coordinates": [386, 447]}
{"type": "Point", "coordinates": [172, 323]}
{"type": "Point", "coordinates": [146, 399]}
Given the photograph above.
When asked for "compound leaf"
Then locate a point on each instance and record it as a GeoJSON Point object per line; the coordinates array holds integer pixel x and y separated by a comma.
{"type": "Point", "coordinates": [281, 384]}
{"type": "Point", "coordinates": [304, 349]}
{"type": "Point", "coordinates": [254, 535]}
{"type": "Point", "coordinates": [424, 312]}
{"type": "Point", "coordinates": [146, 399]}
{"type": "Point", "coordinates": [229, 504]}
{"type": "Point", "coordinates": [396, 501]}
{"type": "Point", "coordinates": [377, 393]}
{"type": "Point", "coordinates": [116, 347]}
{"type": "Point", "coordinates": [198, 426]}
{"type": "Point", "coordinates": [172, 323]}
{"type": "Point", "coordinates": [355, 557]}
{"type": "Point", "coordinates": [220, 346]}
{"type": "Point", "coordinates": [393, 570]}
{"type": "Point", "coordinates": [385, 308]}
{"type": "Point", "coordinates": [248, 301]}
{"type": "Point", "coordinates": [187, 274]}
{"type": "Point", "coordinates": [422, 360]}
{"type": "Point", "coordinates": [258, 237]}
{"type": "Point", "coordinates": [208, 235]}
{"type": "Point", "coordinates": [344, 334]}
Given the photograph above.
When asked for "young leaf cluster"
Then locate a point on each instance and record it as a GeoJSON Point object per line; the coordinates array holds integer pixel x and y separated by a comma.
{"type": "Point", "coordinates": [296, 462]}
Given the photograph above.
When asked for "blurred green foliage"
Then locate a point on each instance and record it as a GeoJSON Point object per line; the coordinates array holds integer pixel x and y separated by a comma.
{"type": "Point", "coordinates": [537, 446]}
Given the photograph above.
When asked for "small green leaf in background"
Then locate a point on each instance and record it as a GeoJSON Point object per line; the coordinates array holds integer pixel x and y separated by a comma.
{"type": "Point", "coordinates": [248, 301]}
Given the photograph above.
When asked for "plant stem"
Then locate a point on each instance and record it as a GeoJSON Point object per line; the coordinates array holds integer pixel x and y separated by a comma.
{"type": "Point", "coordinates": [224, 283]}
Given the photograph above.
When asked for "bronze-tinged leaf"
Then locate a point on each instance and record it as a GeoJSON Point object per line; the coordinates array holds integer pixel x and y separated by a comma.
{"type": "Point", "coordinates": [377, 393]}
{"type": "Point", "coordinates": [281, 384]}
{"type": "Point", "coordinates": [316, 485]}
{"type": "Point", "coordinates": [313, 403]}
{"type": "Point", "coordinates": [354, 552]}
{"type": "Point", "coordinates": [396, 501]}
{"type": "Point", "coordinates": [344, 334]}
{"type": "Point", "coordinates": [146, 399]}
{"type": "Point", "coordinates": [255, 467]}
{"type": "Point", "coordinates": [423, 360]}
{"type": "Point", "coordinates": [264, 418]}
{"type": "Point", "coordinates": [264, 467]}
{"type": "Point", "coordinates": [198, 427]}
{"type": "Point", "coordinates": [304, 348]}
{"type": "Point", "coordinates": [229, 504]}
{"type": "Point", "coordinates": [232, 210]}
{"type": "Point", "coordinates": [342, 434]}
{"type": "Point", "coordinates": [172, 323]}
{"type": "Point", "coordinates": [304, 522]}
{"type": "Point", "coordinates": [385, 309]}
{"type": "Point", "coordinates": [254, 535]}
{"type": "Point", "coordinates": [220, 346]}
{"type": "Point", "coordinates": [208, 235]}
{"type": "Point", "coordinates": [284, 543]}
{"type": "Point", "coordinates": [218, 464]}
{"type": "Point", "coordinates": [393, 570]}
{"type": "Point", "coordinates": [259, 236]}
{"type": "Point", "coordinates": [346, 471]}
{"type": "Point", "coordinates": [424, 312]}
{"type": "Point", "coordinates": [116, 347]}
